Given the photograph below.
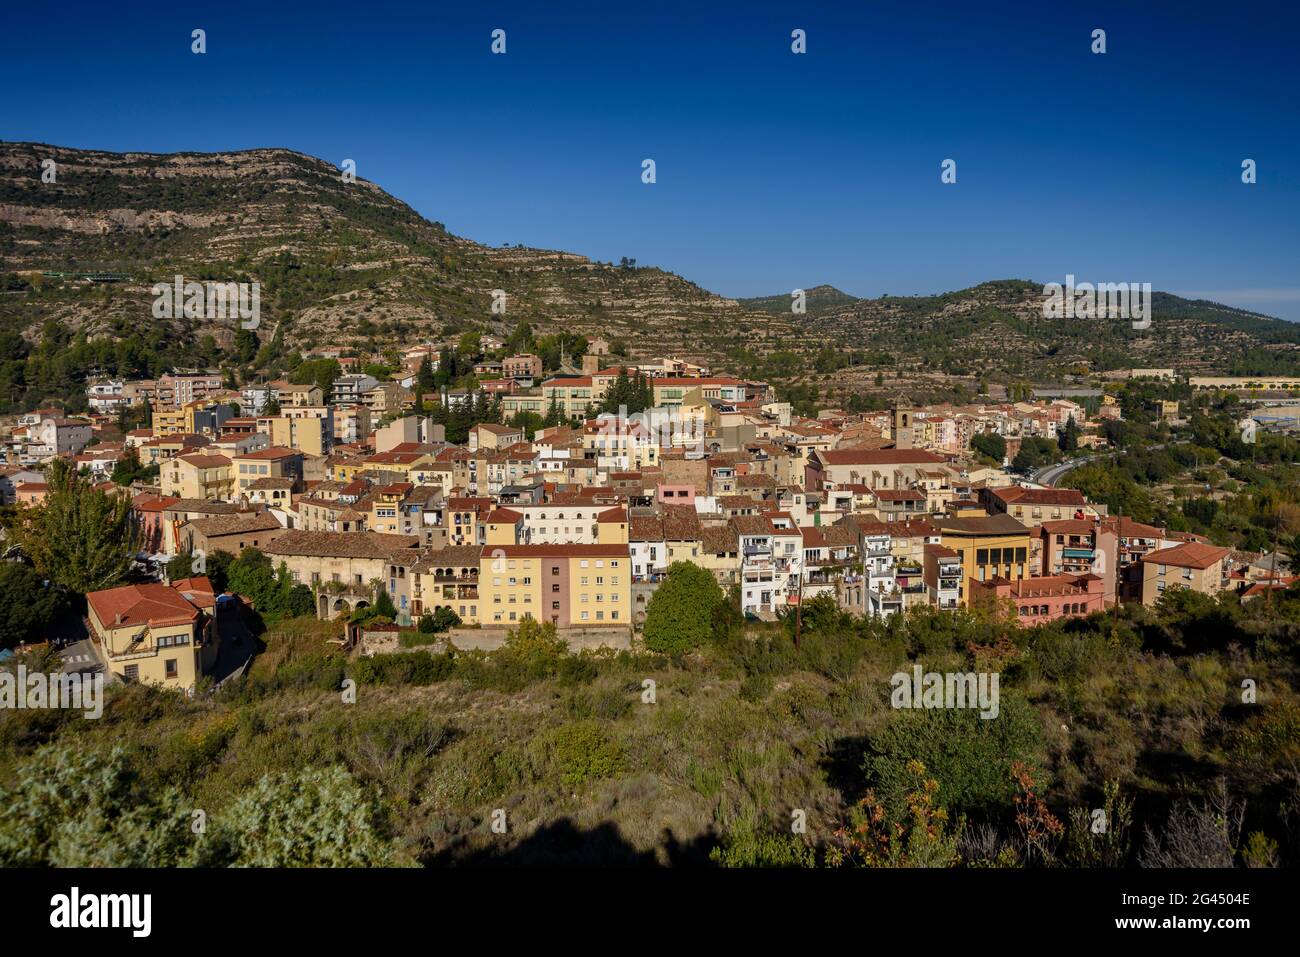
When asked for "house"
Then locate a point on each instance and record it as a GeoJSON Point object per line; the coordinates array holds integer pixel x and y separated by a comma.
{"type": "Point", "coordinates": [273, 462]}
{"type": "Point", "coordinates": [1194, 565]}
{"type": "Point", "coordinates": [876, 468]}
{"type": "Point", "coordinates": [229, 533]}
{"type": "Point", "coordinates": [1043, 598]}
{"type": "Point", "coordinates": [197, 475]}
{"type": "Point", "coordinates": [586, 586]}
{"type": "Point", "coordinates": [344, 568]}
{"type": "Point", "coordinates": [943, 576]}
{"type": "Point", "coordinates": [992, 546]}
{"type": "Point", "coordinates": [1033, 506]}
{"type": "Point", "coordinates": [488, 435]}
{"type": "Point", "coordinates": [525, 367]}
{"type": "Point", "coordinates": [160, 634]}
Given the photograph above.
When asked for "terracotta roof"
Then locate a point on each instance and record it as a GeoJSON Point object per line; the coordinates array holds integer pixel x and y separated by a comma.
{"type": "Point", "coordinates": [134, 605]}
{"type": "Point", "coordinates": [877, 457]}
{"type": "Point", "coordinates": [343, 545]}
{"type": "Point", "coordinates": [899, 495]}
{"type": "Point", "coordinates": [453, 556]}
{"type": "Point", "coordinates": [201, 461]}
{"type": "Point", "coordinates": [1069, 526]}
{"type": "Point", "coordinates": [234, 524]}
{"type": "Point", "coordinates": [1041, 496]}
{"type": "Point", "coordinates": [270, 482]}
{"type": "Point", "coordinates": [980, 525]}
{"type": "Point", "coordinates": [273, 453]}
{"type": "Point", "coordinates": [1187, 555]}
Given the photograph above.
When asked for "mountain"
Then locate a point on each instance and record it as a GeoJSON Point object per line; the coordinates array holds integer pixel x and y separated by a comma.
{"type": "Point", "coordinates": [347, 264]}
{"type": "Point", "coordinates": [338, 263]}
{"type": "Point", "coordinates": [998, 327]}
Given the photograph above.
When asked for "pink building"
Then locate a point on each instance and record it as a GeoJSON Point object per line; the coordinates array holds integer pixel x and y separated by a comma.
{"type": "Point", "coordinates": [675, 495]}
{"type": "Point", "coordinates": [1044, 597]}
{"type": "Point", "coordinates": [149, 513]}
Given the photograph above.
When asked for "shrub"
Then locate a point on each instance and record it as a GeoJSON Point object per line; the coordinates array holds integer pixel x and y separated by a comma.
{"type": "Point", "coordinates": [680, 615]}
{"type": "Point", "coordinates": [969, 757]}
{"type": "Point", "coordinates": [584, 752]}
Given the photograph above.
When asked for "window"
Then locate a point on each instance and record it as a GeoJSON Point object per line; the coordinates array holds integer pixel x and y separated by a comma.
{"type": "Point", "coordinates": [132, 672]}
{"type": "Point", "coordinates": [172, 670]}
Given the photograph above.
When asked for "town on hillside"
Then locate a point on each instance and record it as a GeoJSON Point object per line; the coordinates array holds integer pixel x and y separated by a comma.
{"type": "Point", "coordinates": [566, 495]}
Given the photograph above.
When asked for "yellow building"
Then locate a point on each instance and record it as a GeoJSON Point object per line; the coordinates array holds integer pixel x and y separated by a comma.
{"type": "Point", "coordinates": [308, 429]}
{"type": "Point", "coordinates": [574, 395]}
{"type": "Point", "coordinates": [987, 547]}
{"type": "Point", "coordinates": [571, 586]}
{"type": "Point", "coordinates": [167, 421]}
{"type": "Point", "coordinates": [502, 526]}
{"type": "Point", "coordinates": [447, 578]}
{"type": "Point", "coordinates": [197, 475]}
{"type": "Point", "coordinates": [160, 634]}
{"type": "Point", "coordinates": [1192, 565]}
{"type": "Point", "coordinates": [289, 393]}
{"type": "Point", "coordinates": [273, 462]}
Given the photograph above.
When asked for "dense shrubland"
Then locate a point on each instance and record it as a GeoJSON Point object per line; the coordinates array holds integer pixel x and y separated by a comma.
{"type": "Point", "coordinates": [700, 755]}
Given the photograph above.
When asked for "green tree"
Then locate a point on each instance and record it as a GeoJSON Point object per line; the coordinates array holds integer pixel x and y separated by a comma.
{"type": "Point", "coordinates": [425, 384]}
{"type": "Point", "coordinates": [27, 605]}
{"type": "Point", "coordinates": [80, 537]}
{"type": "Point", "coordinates": [680, 614]}
{"type": "Point", "coordinates": [990, 444]}
{"type": "Point", "coordinates": [1069, 437]}
{"type": "Point", "coordinates": [969, 756]}
{"type": "Point", "coordinates": [180, 566]}
{"type": "Point", "coordinates": [319, 372]}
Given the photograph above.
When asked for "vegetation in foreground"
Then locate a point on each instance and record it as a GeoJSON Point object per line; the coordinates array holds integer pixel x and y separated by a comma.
{"type": "Point", "coordinates": [710, 754]}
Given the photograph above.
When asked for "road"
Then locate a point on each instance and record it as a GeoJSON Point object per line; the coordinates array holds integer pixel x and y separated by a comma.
{"type": "Point", "coordinates": [1052, 474]}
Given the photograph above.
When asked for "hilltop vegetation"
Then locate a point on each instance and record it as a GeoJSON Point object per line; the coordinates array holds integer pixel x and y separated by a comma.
{"type": "Point", "coordinates": [346, 264]}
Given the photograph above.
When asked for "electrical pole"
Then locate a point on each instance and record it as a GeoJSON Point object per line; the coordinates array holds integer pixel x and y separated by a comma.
{"type": "Point", "coordinates": [798, 611]}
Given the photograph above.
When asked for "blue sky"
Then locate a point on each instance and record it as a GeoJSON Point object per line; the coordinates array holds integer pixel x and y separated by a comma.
{"type": "Point", "coordinates": [774, 170]}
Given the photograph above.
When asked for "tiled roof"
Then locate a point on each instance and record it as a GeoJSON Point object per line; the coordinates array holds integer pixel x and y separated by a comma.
{"type": "Point", "coordinates": [1187, 555]}
{"type": "Point", "coordinates": [343, 545]}
{"type": "Point", "coordinates": [149, 604]}
{"type": "Point", "coordinates": [234, 524]}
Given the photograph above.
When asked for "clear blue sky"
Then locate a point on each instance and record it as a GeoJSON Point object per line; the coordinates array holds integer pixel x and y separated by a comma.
{"type": "Point", "coordinates": [775, 171]}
